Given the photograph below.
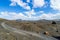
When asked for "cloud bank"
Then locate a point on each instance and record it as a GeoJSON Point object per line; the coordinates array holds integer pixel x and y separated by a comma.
{"type": "Point", "coordinates": [14, 16]}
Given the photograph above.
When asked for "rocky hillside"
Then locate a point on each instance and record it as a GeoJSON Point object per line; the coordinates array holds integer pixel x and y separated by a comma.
{"type": "Point", "coordinates": [44, 27]}
{"type": "Point", "coordinates": [38, 26]}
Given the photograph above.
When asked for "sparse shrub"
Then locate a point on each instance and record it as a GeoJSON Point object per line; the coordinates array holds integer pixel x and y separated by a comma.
{"type": "Point", "coordinates": [56, 26]}
{"type": "Point", "coordinates": [34, 23]}
{"type": "Point", "coordinates": [53, 22]}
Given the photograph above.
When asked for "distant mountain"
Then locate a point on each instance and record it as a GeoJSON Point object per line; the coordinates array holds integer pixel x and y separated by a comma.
{"type": "Point", "coordinates": [19, 20]}
{"type": "Point", "coordinates": [56, 19]}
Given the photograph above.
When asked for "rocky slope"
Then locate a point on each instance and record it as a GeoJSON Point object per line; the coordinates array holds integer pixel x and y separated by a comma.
{"type": "Point", "coordinates": [44, 28]}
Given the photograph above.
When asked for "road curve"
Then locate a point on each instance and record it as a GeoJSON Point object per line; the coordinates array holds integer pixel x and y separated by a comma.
{"type": "Point", "coordinates": [26, 33]}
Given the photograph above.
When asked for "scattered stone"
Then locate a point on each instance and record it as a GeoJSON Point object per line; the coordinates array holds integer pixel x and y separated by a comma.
{"type": "Point", "coordinates": [46, 33]}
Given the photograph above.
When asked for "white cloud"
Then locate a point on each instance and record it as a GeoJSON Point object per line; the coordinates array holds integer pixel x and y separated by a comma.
{"type": "Point", "coordinates": [50, 16]}
{"type": "Point", "coordinates": [13, 4]}
{"type": "Point", "coordinates": [30, 13]}
{"type": "Point", "coordinates": [46, 16]}
{"type": "Point", "coordinates": [20, 3]}
{"type": "Point", "coordinates": [28, 1]}
{"type": "Point", "coordinates": [38, 3]}
{"type": "Point", "coordinates": [13, 15]}
{"type": "Point", "coordinates": [55, 4]}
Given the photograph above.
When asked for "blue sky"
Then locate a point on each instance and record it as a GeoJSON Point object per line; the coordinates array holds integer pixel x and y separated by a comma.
{"type": "Point", "coordinates": [30, 9]}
